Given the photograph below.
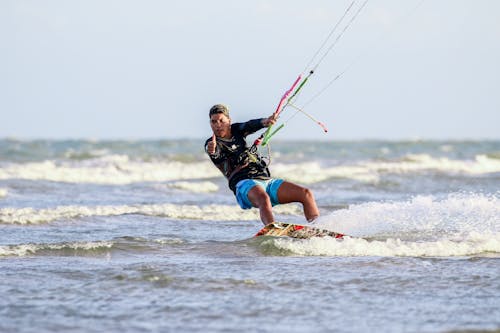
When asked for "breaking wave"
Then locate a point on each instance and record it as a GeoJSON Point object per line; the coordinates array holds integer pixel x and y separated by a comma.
{"type": "Point", "coordinates": [30, 249]}
{"type": "Point", "coordinates": [111, 169]}
{"type": "Point", "coordinates": [370, 171]}
{"type": "Point", "coordinates": [459, 225]}
{"type": "Point", "coordinates": [120, 169]}
{"type": "Point", "coordinates": [88, 247]}
{"type": "Point", "coordinates": [31, 215]}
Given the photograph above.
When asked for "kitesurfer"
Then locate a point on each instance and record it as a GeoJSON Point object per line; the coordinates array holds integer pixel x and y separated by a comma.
{"type": "Point", "coordinates": [247, 173]}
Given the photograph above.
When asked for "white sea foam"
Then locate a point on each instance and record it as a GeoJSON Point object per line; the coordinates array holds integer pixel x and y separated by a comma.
{"type": "Point", "coordinates": [197, 187]}
{"type": "Point", "coordinates": [3, 192]}
{"type": "Point", "coordinates": [120, 169]}
{"type": "Point", "coordinates": [30, 215]}
{"type": "Point", "coordinates": [370, 171]}
{"type": "Point", "coordinates": [27, 249]}
{"type": "Point", "coordinates": [422, 215]}
{"type": "Point", "coordinates": [327, 246]}
{"type": "Point", "coordinates": [459, 225]}
{"type": "Point", "coordinates": [110, 169]}
{"type": "Point", "coordinates": [33, 248]}
{"type": "Point", "coordinates": [313, 172]}
{"type": "Point", "coordinates": [482, 164]}
{"type": "Point", "coordinates": [169, 241]}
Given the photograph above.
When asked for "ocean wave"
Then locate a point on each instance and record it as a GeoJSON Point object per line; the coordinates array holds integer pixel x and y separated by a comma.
{"type": "Point", "coordinates": [120, 169]}
{"type": "Point", "coordinates": [473, 245]}
{"type": "Point", "coordinates": [110, 169]}
{"type": "Point", "coordinates": [314, 172]}
{"type": "Point", "coordinates": [3, 192]}
{"type": "Point", "coordinates": [82, 247]}
{"type": "Point", "coordinates": [371, 171]}
{"type": "Point", "coordinates": [197, 187]}
{"type": "Point", "coordinates": [30, 249]}
{"type": "Point", "coordinates": [31, 215]}
{"type": "Point", "coordinates": [481, 164]}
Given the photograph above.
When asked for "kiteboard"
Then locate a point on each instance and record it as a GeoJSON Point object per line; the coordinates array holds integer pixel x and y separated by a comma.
{"type": "Point", "coordinates": [295, 231]}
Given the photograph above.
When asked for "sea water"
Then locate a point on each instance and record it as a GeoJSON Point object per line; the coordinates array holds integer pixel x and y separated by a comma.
{"type": "Point", "coordinates": [145, 236]}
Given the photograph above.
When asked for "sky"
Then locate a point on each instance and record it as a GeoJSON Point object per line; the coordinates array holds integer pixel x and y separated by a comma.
{"type": "Point", "coordinates": [124, 69]}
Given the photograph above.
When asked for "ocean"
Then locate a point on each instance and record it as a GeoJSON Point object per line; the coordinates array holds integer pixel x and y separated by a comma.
{"type": "Point", "coordinates": [145, 236]}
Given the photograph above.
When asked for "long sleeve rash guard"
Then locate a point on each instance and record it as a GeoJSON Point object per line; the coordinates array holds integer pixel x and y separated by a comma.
{"type": "Point", "coordinates": [234, 159]}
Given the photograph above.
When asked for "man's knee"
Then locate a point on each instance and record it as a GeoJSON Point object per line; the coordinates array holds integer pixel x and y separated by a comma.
{"type": "Point", "coordinates": [308, 194]}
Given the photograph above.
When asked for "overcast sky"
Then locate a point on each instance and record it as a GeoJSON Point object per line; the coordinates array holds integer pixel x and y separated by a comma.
{"type": "Point", "coordinates": [127, 69]}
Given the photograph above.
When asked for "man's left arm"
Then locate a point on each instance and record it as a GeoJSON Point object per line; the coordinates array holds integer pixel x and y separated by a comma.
{"type": "Point", "coordinates": [254, 125]}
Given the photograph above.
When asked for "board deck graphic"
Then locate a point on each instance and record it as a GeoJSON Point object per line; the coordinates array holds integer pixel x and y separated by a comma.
{"type": "Point", "coordinates": [295, 231]}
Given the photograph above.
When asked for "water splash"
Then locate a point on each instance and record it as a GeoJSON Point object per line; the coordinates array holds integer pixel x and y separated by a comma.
{"type": "Point", "coordinates": [422, 215]}
{"type": "Point", "coordinates": [458, 225]}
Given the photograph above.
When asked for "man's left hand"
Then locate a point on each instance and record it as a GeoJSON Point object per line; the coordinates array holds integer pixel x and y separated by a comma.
{"type": "Point", "coordinates": [271, 120]}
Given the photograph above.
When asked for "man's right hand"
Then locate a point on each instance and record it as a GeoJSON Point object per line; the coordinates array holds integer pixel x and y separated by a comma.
{"type": "Point", "coordinates": [211, 145]}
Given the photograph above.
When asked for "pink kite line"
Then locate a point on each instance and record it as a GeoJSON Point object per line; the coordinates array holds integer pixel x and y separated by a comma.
{"type": "Point", "coordinates": [285, 96]}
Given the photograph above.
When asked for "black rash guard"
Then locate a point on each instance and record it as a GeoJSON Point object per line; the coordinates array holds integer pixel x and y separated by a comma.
{"type": "Point", "coordinates": [234, 159]}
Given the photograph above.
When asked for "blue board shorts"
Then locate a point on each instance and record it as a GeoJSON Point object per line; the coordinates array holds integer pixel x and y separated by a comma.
{"type": "Point", "coordinates": [271, 187]}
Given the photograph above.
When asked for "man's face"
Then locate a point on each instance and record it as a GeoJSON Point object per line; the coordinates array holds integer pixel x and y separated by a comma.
{"type": "Point", "coordinates": [221, 125]}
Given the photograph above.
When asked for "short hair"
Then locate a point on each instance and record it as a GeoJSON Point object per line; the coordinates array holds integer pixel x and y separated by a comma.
{"type": "Point", "coordinates": [219, 108]}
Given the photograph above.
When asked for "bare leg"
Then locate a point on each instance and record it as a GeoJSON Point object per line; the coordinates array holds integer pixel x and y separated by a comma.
{"type": "Point", "coordinates": [290, 192]}
{"type": "Point", "coordinates": [260, 199]}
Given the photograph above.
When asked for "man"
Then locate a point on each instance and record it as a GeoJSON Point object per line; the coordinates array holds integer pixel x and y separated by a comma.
{"type": "Point", "coordinates": [246, 172]}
